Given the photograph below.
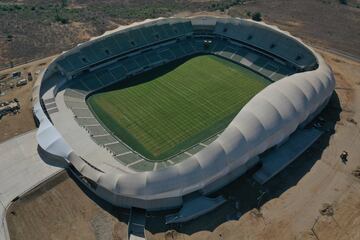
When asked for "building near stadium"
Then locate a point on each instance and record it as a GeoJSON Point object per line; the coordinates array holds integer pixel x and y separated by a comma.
{"type": "Point", "coordinates": [150, 113]}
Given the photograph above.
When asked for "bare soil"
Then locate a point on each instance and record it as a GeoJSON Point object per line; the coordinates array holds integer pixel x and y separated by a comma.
{"type": "Point", "coordinates": [12, 125]}
{"type": "Point", "coordinates": [291, 208]}
{"type": "Point", "coordinates": [33, 28]}
{"type": "Point", "coordinates": [59, 209]}
{"type": "Point", "coordinates": [327, 23]}
{"type": "Point", "coordinates": [292, 205]}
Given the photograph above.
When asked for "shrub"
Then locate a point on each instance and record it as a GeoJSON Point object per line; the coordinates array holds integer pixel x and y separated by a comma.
{"type": "Point", "coordinates": [345, 2]}
{"type": "Point", "coordinates": [256, 16]}
{"type": "Point", "coordinates": [64, 3]}
{"type": "Point", "coordinates": [9, 38]}
{"type": "Point", "coordinates": [61, 19]}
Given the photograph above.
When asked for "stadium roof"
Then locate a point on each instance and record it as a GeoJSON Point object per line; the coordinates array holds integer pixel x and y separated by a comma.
{"type": "Point", "coordinates": [267, 120]}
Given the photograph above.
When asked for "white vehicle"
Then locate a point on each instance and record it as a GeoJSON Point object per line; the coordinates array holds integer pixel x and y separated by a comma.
{"type": "Point", "coordinates": [21, 82]}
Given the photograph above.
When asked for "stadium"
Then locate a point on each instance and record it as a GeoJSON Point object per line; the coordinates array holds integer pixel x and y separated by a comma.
{"type": "Point", "coordinates": [169, 109]}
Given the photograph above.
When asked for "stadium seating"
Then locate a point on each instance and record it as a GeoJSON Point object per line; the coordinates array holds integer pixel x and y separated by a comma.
{"type": "Point", "coordinates": [266, 40]}
{"type": "Point", "coordinates": [165, 31]}
{"type": "Point", "coordinates": [90, 55]}
{"type": "Point", "coordinates": [66, 65]}
{"type": "Point", "coordinates": [148, 33]}
{"type": "Point", "coordinates": [77, 85]}
{"type": "Point", "coordinates": [118, 72]}
{"type": "Point", "coordinates": [82, 113]}
{"type": "Point", "coordinates": [218, 46]}
{"type": "Point", "coordinates": [114, 171]}
{"type": "Point", "coordinates": [259, 63]}
{"type": "Point", "coordinates": [76, 105]}
{"type": "Point", "coordinates": [137, 37]}
{"type": "Point", "coordinates": [130, 65]}
{"type": "Point", "coordinates": [179, 158]}
{"type": "Point", "coordinates": [117, 148]}
{"type": "Point", "coordinates": [77, 61]}
{"type": "Point", "coordinates": [166, 54]}
{"type": "Point", "coordinates": [129, 158]}
{"type": "Point", "coordinates": [86, 121]}
{"type": "Point", "coordinates": [124, 42]}
{"type": "Point", "coordinates": [152, 57]}
{"type": "Point", "coordinates": [239, 51]}
{"type": "Point", "coordinates": [141, 60]}
{"type": "Point", "coordinates": [195, 149]}
{"type": "Point", "coordinates": [105, 77]}
{"type": "Point", "coordinates": [197, 45]}
{"type": "Point", "coordinates": [100, 51]}
{"type": "Point", "coordinates": [91, 82]}
{"type": "Point", "coordinates": [187, 26]}
{"type": "Point", "coordinates": [94, 130]}
{"type": "Point", "coordinates": [178, 52]}
{"type": "Point", "coordinates": [112, 46]}
{"type": "Point", "coordinates": [186, 47]}
{"type": "Point", "coordinates": [75, 94]}
{"type": "Point", "coordinates": [227, 52]}
{"type": "Point", "coordinates": [143, 166]}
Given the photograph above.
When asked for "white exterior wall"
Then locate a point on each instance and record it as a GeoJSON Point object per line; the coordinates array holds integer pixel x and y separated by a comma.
{"type": "Point", "coordinates": [265, 121]}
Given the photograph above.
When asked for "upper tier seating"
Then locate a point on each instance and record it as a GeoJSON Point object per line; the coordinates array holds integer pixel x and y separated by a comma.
{"type": "Point", "coordinates": [105, 77]}
{"type": "Point", "coordinates": [267, 40]}
{"type": "Point", "coordinates": [149, 34]}
{"type": "Point", "coordinates": [121, 42]}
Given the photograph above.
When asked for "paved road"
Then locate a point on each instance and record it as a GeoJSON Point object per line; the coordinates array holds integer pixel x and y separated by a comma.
{"type": "Point", "coordinates": [21, 169]}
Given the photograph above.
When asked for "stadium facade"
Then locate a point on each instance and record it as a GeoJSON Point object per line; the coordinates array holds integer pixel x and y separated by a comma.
{"type": "Point", "coordinates": [302, 85]}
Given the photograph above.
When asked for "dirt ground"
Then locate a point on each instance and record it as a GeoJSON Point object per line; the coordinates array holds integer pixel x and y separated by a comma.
{"type": "Point", "coordinates": [30, 30]}
{"type": "Point", "coordinates": [320, 23]}
{"type": "Point", "coordinates": [12, 125]}
{"type": "Point", "coordinates": [291, 206]}
{"type": "Point", "coordinates": [59, 209]}
{"type": "Point", "coordinates": [316, 197]}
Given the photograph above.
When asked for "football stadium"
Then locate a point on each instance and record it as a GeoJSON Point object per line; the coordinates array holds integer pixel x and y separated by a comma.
{"type": "Point", "coordinates": [162, 113]}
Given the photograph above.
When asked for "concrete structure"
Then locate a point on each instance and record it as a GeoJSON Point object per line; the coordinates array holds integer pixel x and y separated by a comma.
{"type": "Point", "coordinates": [303, 84]}
{"type": "Point", "coordinates": [193, 208]}
{"type": "Point", "coordinates": [279, 158]}
{"type": "Point", "coordinates": [21, 169]}
{"type": "Point", "coordinates": [136, 224]}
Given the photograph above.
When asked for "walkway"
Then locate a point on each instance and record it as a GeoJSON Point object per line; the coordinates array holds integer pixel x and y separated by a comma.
{"type": "Point", "coordinates": [21, 169]}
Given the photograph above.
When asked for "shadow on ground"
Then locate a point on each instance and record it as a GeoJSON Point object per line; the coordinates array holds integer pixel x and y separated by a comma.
{"type": "Point", "coordinates": [243, 194]}
{"type": "Point", "coordinates": [122, 214]}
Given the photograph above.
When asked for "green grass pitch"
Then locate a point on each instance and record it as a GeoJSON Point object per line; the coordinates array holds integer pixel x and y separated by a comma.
{"type": "Point", "coordinates": [169, 109]}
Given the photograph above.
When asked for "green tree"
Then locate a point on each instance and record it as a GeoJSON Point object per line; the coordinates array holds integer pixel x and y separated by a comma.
{"type": "Point", "coordinates": [256, 16]}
